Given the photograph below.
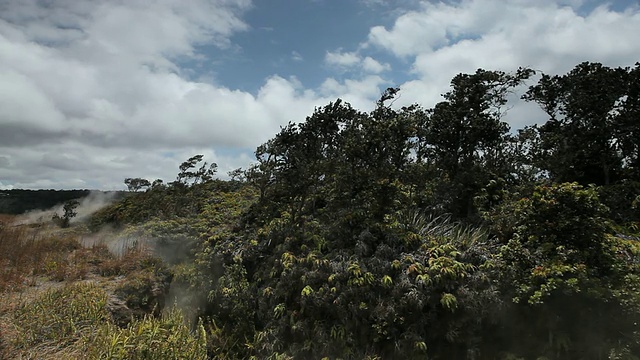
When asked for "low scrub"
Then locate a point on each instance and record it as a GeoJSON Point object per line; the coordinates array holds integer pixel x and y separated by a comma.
{"type": "Point", "coordinates": [167, 337]}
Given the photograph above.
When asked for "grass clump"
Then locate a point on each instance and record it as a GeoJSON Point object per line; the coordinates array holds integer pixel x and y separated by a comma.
{"type": "Point", "coordinates": [60, 316]}
{"type": "Point", "coordinates": [166, 337]}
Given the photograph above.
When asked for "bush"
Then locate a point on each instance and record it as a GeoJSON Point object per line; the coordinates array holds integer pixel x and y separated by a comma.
{"type": "Point", "coordinates": [570, 280]}
{"type": "Point", "coordinates": [144, 291]}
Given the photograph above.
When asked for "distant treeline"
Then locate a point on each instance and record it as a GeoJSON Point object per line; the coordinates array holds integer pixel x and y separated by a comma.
{"type": "Point", "coordinates": [20, 201]}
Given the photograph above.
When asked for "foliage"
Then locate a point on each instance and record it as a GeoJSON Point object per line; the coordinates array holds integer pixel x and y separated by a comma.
{"type": "Point", "coordinates": [571, 242]}
{"type": "Point", "coordinates": [167, 337]}
{"type": "Point", "coordinates": [190, 175]}
{"type": "Point", "coordinates": [569, 277]}
{"type": "Point", "coordinates": [389, 294]}
{"type": "Point", "coordinates": [162, 203]}
{"type": "Point", "coordinates": [466, 138]}
{"type": "Point", "coordinates": [623, 201]}
{"type": "Point", "coordinates": [144, 291]}
{"type": "Point", "coordinates": [135, 184]}
{"type": "Point", "coordinates": [590, 136]}
{"type": "Point", "coordinates": [335, 266]}
{"type": "Point", "coordinates": [61, 316]}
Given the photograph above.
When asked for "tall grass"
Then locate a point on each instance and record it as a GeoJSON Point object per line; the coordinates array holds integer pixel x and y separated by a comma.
{"type": "Point", "coordinates": [26, 252]}
{"type": "Point", "coordinates": [60, 316]}
{"type": "Point", "coordinates": [167, 337]}
{"type": "Point", "coordinates": [118, 244]}
{"type": "Point", "coordinates": [442, 228]}
{"type": "Point", "coordinates": [73, 322]}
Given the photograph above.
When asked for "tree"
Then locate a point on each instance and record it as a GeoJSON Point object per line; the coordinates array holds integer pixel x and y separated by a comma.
{"type": "Point", "coordinates": [135, 184]}
{"type": "Point", "coordinates": [157, 184]}
{"type": "Point", "coordinates": [69, 209]}
{"type": "Point", "coordinates": [190, 174]}
{"type": "Point", "coordinates": [628, 126]}
{"type": "Point", "coordinates": [587, 134]}
{"type": "Point", "coordinates": [341, 265]}
{"type": "Point", "coordinates": [237, 175]}
{"type": "Point", "coordinates": [340, 163]}
{"type": "Point", "coordinates": [465, 137]}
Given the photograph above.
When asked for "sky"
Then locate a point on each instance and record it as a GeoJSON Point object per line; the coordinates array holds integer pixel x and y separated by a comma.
{"type": "Point", "coordinates": [93, 92]}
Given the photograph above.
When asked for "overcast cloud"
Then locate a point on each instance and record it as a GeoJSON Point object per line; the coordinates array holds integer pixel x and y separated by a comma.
{"type": "Point", "coordinates": [92, 92]}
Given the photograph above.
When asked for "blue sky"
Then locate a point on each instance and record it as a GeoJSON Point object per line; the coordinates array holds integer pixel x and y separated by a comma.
{"type": "Point", "coordinates": [291, 38]}
{"type": "Point", "coordinates": [92, 92]}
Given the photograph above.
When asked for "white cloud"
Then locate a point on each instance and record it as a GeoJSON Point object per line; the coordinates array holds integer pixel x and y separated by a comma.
{"type": "Point", "coordinates": [373, 66]}
{"type": "Point", "coordinates": [444, 39]}
{"type": "Point", "coordinates": [360, 93]}
{"type": "Point", "coordinates": [352, 60]}
{"type": "Point", "coordinates": [5, 187]}
{"type": "Point", "coordinates": [91, 92]}
{"type": "Point", "coordinates": [339, 58]}
{"type": "Point", "coordinates": [80, 166]}
{"type": "Point", "coordinates": [295, 56]}
{"type": "Point", "coordinates": [79, 80]}
{"type": "Point", "coordinates": [509, 33]}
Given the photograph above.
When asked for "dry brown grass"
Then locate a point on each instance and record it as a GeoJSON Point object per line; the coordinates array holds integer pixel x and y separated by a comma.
{"type": "Point", "coordinates": [33, 260]}
{"type": "Point", "coordinates": [26, 252]}
{"type": "Point", "coordinates": [40, 260]}
{"type": "Point", "coordinates": [7, 219]}
{"type": "Point", "coordinates": [131, 261]}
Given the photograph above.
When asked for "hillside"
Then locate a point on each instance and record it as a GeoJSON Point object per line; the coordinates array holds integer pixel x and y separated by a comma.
{"type": "Point", "coordinates": [404, 234]}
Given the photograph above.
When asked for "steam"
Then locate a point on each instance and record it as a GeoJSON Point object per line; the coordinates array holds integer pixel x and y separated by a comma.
{"type": "Point", "coordinates": [93, 202]}
{"type": "Point", "coordinates": [89, 204]}
{"type": "Point", "coordinates": [117, 242]}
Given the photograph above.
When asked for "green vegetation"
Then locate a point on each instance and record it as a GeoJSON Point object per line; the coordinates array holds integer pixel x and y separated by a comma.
{"type": "Point", "coordinates": [75, 318]}
{"type": "Point", "coordinates": [61, 316]}
{"type": "Point", "coordinates": [167, 337]}
{"type": "Point", "coordinates": [411, 233]}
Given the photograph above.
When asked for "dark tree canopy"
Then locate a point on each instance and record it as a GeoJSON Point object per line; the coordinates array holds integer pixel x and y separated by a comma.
{"type": "Point", "coordinates": [190, 174]}
{"type": "Point", "coordinates": [135, 184]}
{"type": "Point", "coordinates": [591, 135]}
